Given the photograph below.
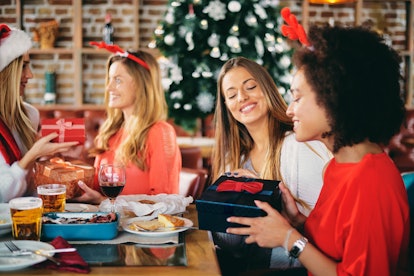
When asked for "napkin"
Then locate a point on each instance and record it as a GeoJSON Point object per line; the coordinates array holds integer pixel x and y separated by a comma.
{"type": "Point", "coordinates": [69, 261]}
{"type": "Point", "coordinates": [162, 204]}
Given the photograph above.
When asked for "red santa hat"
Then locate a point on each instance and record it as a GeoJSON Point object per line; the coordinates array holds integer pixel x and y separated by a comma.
{"type": "Point", "coordinates": [13, 44]}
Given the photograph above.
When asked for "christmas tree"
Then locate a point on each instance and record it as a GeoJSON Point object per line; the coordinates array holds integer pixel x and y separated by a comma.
{"type": "Point", "coordinates": [198, 36]}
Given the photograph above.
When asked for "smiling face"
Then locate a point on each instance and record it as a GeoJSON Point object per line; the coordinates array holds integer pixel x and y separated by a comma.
{"type": "Point", "coordinates": [121, 88]}
{"type": "Point", "coordinates": [243, 97]}
{"type": "Point", "coordinates": [309, 118]}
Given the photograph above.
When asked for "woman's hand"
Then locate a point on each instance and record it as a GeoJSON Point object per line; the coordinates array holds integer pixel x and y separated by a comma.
{"type": "Point", "coordinates": [290, 210]}
{"type": "Point", "coordinates": [241, 173]}
{"type": "Point", "coordinates": [89, 195]}
{"type": "Point", "coordinates": [44, 147]}
{"type": "Point", "coordinates": [268, 231]}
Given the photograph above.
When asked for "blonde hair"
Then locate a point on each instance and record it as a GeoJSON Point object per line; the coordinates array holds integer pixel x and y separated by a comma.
{"type": "Point", "coordinates": [12, 110]}
{"type": "Point", "coordinates": [149, 107]}
{"type": "Point", "coordinates": [233, 141]}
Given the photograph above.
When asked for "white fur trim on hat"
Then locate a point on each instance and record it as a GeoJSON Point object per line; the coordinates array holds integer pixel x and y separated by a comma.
{"type": "Point", "coordinates": [13, 46]}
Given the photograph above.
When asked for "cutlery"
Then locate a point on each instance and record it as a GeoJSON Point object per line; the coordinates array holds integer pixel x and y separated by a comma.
{"type": "Point", "coordinates": [25, 252]}
{"type": "Point", "coordinates": [16, 251]}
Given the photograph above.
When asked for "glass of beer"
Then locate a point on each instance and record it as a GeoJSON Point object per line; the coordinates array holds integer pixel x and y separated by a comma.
{"type": "Point", "coordinates": [53, 196]}
{"type": "Point", "coordinates": [26, 215]}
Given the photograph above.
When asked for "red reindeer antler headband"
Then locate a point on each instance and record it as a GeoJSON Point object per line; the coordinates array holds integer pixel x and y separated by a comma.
{"type": "Point", "coordinates": [119, 51]}
{"type": "Point", "coordinates": [293, 30]}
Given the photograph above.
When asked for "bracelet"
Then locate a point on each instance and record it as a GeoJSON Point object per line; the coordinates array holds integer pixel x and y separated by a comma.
{"type": "Point", "coordinates": [298, 247]}
{"type": "Point", "coordinates": [285, 244]}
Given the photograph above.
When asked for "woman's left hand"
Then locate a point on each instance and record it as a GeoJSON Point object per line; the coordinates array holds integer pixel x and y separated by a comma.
{"type": "Point", "coordinates": [268, 231]}
{"type": "Point", "coordinates": [89, 195]}
{"type": "Point", "coordinates": [241, 173]}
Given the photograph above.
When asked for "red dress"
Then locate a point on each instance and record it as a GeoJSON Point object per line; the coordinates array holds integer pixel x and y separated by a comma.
{"type": "Point", "coordinates": [163, 163]}
{"type": "Point", "coordinates": [361, 219]}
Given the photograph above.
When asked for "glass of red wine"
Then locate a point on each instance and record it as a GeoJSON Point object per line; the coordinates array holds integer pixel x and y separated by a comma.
{"type": "Point", "coordinates": [112, 181]}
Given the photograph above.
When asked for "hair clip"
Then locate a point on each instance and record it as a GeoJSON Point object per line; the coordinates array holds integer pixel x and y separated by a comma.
{"type": "Point", "coordinates": [293, 30]}
{"type": "Point", "coordinates": [119, 51]}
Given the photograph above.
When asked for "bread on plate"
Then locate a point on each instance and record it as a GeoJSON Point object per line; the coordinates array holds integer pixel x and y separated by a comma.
{"type": "Point", "coordinates": [170, 221]}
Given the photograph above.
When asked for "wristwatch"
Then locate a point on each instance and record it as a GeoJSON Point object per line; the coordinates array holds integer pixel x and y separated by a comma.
{"type": "Point", "coordinates": [298, 247]}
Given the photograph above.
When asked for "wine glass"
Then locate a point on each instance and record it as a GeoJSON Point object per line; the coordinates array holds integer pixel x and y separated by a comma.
{"type": "Point", "coordinates": [112, 181]}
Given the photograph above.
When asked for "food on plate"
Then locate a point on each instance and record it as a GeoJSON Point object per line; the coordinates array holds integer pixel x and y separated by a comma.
{"type": "Point", "coordinates": [170, 221]}
{"type": "Point", "coordinates": [163, 221]}
{"type": "Point", "coordinates": [149, 225]}
{"type": "Point", "coordinates": [110, 217]}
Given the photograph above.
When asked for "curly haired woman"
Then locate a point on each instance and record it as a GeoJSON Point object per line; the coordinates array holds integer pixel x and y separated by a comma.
{"type": "Point", "coordinates": [346, 94]}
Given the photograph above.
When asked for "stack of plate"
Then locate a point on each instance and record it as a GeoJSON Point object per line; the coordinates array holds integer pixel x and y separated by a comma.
{"type": "Point", "coordinates": [5, 220]}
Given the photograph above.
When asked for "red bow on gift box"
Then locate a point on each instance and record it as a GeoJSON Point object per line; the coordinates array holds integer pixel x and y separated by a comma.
{"type": "Point", "coordinates": [252, 187]}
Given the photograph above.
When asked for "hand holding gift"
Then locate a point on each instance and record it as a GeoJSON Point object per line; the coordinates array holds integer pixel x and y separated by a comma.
{"type": "Point", "coordinates": [57, 170]}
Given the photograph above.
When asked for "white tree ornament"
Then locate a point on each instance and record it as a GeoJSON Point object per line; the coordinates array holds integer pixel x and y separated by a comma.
{"type": "Point", "coordinates": [216, 10]}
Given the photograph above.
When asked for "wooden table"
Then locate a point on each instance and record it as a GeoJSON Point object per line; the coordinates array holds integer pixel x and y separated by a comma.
{"type": "Point", "coordinates": [201, 258]}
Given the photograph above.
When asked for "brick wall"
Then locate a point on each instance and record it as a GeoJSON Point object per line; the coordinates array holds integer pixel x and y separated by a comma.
{"type": "Point", "coordinates": [387, 16]}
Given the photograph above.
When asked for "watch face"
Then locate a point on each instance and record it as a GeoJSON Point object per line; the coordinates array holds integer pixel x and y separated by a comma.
{"type": "Point", "coordinates": [294, 252]}
{"type": "Point", "coordinates": [298, 247]}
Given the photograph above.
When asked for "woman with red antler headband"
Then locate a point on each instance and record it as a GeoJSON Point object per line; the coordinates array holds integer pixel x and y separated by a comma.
{"type": "Point", "coordinates": [135, 132]}
{"type": "Point", "coordinates": [346, 94]}
{"type": "Point", "coordinates": [18, 145]}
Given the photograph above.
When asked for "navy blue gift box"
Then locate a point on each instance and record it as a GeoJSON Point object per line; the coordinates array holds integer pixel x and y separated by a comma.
{"type": "Point", "coordinates": [214, 207]}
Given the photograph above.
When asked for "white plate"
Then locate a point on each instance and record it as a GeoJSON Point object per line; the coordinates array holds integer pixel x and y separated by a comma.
{"type": "Point", "coordinates": [15, 263]}
{"type": "Point", "coordinates": [80, 207]}
{"type": "Point", "coordinates": [5, 216]}
{"type": "Point", "coordinates": [156, 233]}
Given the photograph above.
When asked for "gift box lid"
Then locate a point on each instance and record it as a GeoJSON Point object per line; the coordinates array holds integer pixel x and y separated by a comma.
{"type": "Point", "coordinates": [230, 196]}
{"type": "Point", "coordinates": [69, 129]}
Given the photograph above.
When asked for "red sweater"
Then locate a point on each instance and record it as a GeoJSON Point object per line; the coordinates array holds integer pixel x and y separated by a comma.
{"type": "Point", "coordinates": [163, 163]}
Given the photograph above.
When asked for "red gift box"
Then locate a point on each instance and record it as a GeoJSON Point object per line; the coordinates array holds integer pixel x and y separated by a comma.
{"type": "Point", "coordinates": [69, 129]}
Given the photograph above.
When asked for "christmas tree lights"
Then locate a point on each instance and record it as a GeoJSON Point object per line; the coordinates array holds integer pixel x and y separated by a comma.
{"type": "Point", "coordinates": [197, 36]}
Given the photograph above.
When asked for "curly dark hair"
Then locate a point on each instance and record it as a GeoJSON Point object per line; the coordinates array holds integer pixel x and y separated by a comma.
{"type": "Point", "coordinates": [356, 77]}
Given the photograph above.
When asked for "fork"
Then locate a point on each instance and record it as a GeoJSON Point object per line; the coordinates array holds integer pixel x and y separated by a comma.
{"type": "Point", "coordinates": [15, 250]}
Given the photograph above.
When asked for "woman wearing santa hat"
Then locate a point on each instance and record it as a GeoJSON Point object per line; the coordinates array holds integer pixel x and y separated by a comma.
{"type": "Point", "coordinates": [19, 147]}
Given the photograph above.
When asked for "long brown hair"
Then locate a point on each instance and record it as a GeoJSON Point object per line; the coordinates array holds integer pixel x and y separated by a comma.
{"type": "Point", "coordinates": [233, 141]}
{"type": "Point", "coordinates": [150, 107]}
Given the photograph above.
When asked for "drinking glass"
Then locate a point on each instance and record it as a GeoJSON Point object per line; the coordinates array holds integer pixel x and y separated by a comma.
{"type": "Point", "coordinates": [53, 196]}
{"type": "Point", "coordinates": [112, 181]}
{"type": "Point", "coordinates": [26, 215]}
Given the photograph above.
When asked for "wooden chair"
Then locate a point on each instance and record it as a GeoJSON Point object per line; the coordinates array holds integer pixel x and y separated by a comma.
{"type": "Point", "coordinates": [192, 182]}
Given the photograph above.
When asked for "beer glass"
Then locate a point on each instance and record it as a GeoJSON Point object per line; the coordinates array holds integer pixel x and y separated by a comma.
{"type": "Point", "coordinates": [26, 215]}
{"type": "Point", "coordinates": [53, 196]}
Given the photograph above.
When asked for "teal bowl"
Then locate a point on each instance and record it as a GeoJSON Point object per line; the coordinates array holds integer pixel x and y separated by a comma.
{"type": "Point", "coordinates": [79, 231]}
